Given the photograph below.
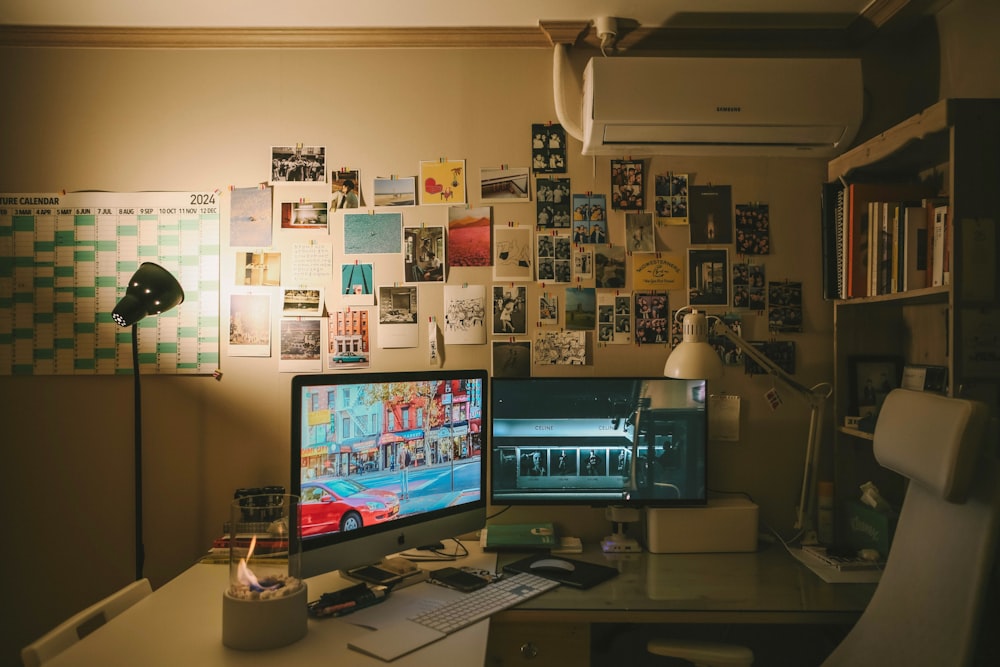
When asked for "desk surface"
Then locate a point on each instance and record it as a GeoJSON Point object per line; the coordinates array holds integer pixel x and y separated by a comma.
{"type": "Point", "coordinates": [181, 623]}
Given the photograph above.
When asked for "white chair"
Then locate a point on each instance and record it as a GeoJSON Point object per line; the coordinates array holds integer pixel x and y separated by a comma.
{"type": "Point", "coordinates": [82, 624]}
{"type": "Point", "coordinates": [927, 608]}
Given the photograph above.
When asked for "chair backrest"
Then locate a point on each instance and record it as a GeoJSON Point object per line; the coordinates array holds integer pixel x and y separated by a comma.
{"type": "Point", "coordinates": [82, 624]}
{"type": "Point", "coordinates": [929, 602]}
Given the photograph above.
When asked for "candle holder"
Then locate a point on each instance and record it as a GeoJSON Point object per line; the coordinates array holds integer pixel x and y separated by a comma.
{"type": "Point", "coordinates": [265, 604]}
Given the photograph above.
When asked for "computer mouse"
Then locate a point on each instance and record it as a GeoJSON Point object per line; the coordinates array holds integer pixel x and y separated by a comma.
{"type": "Point", "coordinates": [553, 564]}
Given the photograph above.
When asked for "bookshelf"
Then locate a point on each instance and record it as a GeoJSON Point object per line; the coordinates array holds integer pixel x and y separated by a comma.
{"type": "Point", "coordinates": [952, 151]}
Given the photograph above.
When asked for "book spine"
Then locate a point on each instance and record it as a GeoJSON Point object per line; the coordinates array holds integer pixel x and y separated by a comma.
{"type": "Point", "coordinates": [937, 243]}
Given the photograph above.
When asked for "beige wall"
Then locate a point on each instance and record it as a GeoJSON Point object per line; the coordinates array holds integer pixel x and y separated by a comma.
{"type": "Point", "coordinates": [177, 120]}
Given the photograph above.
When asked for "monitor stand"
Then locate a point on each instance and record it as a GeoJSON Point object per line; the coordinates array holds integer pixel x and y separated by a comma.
{"type": "Point", "coordinates": [619, 542]}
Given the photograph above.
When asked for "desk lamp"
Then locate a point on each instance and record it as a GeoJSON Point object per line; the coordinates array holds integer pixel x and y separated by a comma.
{"type": "Point", "coordinates": [695, 359]}
{"type": "Point", "coordinates": [151, 290]}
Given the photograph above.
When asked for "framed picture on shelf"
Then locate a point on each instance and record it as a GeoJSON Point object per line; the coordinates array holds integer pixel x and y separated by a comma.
{"type": "Point", "coordinates": [871, 378]}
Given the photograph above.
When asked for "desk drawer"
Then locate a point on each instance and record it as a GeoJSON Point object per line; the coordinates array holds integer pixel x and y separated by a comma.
{"type": "Point", "coordinates": [538, 644]}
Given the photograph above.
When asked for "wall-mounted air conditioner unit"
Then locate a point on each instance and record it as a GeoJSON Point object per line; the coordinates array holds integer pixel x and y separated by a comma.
{"type": "Point", "coordinates": [796, 107]}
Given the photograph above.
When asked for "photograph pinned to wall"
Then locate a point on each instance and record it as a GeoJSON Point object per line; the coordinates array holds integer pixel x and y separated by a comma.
{"type": "Point", "coordinates": [627, 178]}
{"type": "Point", "coordinates": [781, 352]}
{"type": "Point", "coordinates": [671, 198]}
{"type": "Point", "coordinates": [304, 215]}
{"type": "Point", "coordinates": [548, 309]}
{"type": "Point", "coordinates": [581, 308]}
{"type": "Point", "coordinates": [614, 318]}
{"type": "Point", "coordinates": [372, 233]}
{"type": "Point", "coordinates": [590, 216]}
{"type": "Point", "coordinates": [554, 257]}
{"type": "Point", "coordinates": [639, 235]}
{"type": "Point", "coordinates": [301, 345]}
{"type": "Point", "coordinates": [657, 271]}
{"type": "Point", "coordinates": [583, 262]}
{"type": "Point", "coordinates": [548, 148]}
{"type": "Point", "coordinates": [870, 378]}
{"type": "Point", "coordinates": [250, 217]}
{"type": "Point", "coordinates": [345, 188]}
{"type": "Point", "coordinates": [710, 216]}
{"type": "Point", "coordinates": [753, 229]}
{"type": "Point", "coordinates": [357, 284]}
{"type": "Point", "coordinates": [728, 352]}
{"type": "Point", "coordinates": [510, 310]}
{"type": "Point", "coordinates": [651, 316]}
{"type": "Point", "coordinates": [298, 163]}
{"type": "Point", "coordinates": [561, 348]}
{"type": "Point", "coordinates": [513, 258]}
{"type": "Point", "coordinates": [464, 314]}
{"type": "Point", "coordinates": [708, 277]}
{"type": "Point", "coordinates": [609, 266]}
{"type": "Point", "coordinates": [505, 184]}
{"type": "Point", "coordinates": [552, 203]}
{"type": "Point", "coordinates": [676, 329]}
{"type": "Point", "coordinates": [397, 316]}
{"type": "Point", "coordinates": [348, 346]}
{"type": "Point", "coordinates": [249, 325]}
{"type": "Point", "coordinates": [395, 191]}
{"type": "Point", "coordinates": [304, 302]}
{"type": "Point", "coordinates": [469, 235]}
{"type": "Point", "coordinates": [424, 254]}
{"type": "Point", "coordinates": [258, 269]}
{"type": "Point", "coordinates": [784, 306]}
{"type": "Point", "coordinates": [511, 359]}
{"type": "Point", "coordinates": [442, 182]}
{"type": "Point", "coordinates": [749, 289]}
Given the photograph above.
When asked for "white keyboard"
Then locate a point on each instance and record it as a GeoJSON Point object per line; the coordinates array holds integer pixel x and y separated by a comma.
{"type": "Point", "coordinates": [394, 640]}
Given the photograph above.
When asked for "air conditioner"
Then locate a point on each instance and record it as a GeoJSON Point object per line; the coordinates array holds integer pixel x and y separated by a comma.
{"type": "Point", "coordinates": [797, 107]}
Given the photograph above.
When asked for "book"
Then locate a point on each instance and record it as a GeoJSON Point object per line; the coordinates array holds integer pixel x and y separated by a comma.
{"type": "Point", "coordinates": [940, 220]}
{"type": "Point", "coordinates": [518, 537]}
{"type": "Point", "coordinates": [914, 243]}
{"type": "Point", "coordinates": [832, 237]}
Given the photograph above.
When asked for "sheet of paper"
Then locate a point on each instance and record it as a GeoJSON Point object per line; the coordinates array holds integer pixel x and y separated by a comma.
{"type": "Point", "coordinates": [724, 417]}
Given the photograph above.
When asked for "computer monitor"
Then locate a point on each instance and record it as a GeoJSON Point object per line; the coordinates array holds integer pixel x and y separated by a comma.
{"type": "Point", "coordinates": [386, 462]}
{"type": "Point", "coordinates": [598, 441]}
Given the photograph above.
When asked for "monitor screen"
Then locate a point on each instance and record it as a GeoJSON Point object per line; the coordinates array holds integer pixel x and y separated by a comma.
{"type": "Point", "coordinates": [385, 462]}
{"type": "Point", "coordinates": [598, 441]}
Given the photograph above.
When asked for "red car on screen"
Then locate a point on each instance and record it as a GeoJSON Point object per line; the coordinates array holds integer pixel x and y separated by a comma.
{"type": "Point", "coordinates": [332, 505]}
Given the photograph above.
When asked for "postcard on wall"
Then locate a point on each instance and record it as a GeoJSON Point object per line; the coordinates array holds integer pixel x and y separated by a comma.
{"type": "Point", "coordinates": [304, 215]}
{"type": "Point", "coordinates": [250, 217]}
{"type": "Point", "coordinates": [372, 233]}
{"type": "Point", "coordinates": [357, 284]}
{"type": "Point", "coordinates": [652, 317]}
{"type": "Point", "coordinates": [748, 286]}
{"type": "Point", "coordinates": [710, 218]}
{"type": "Point", "coordinates": [505, 184]}
{"type": "Point", "coordinates": [671, 198]}
{"type": "Point", "coordinates": [548, 309]}
{"type": "Point", "coordinates": [442, 182]}
{"type": "Point", "coordinates": [548, 148]}
{"type": "Point", "coordinates": [298, 163]}
{"type": "Point", "coordinates": [753, 229]}
{"type": "Point", "coordinates": [590, 214]}
{"type": "Point", "coordinates": [614, 318]}
{"type": "Point", "coordinates": [581, 308]}
{"type": "Point", "coordinates": [583, 262]}
{"type": "Point", "coordinates": [627, 178]}
{"type": "Point", "coordinates": [552, 203]}
{"type": "Point", "coordinates": [639, 232]}
{"type": "Point", "coordinates": [304, 302]}
{"type": "Point", "coordinates": [513, 258]}
{"type": "Point", "coordinates": [554, 256]}
{"type": "Point", "coordinates": [784, 306]}
{"type": "Point", "coordinates": [609, 266]}
{"type": "Point", "coordinates": [312, 264]}
{"type": "Point", "coordinates": [511, 359]}
{"type": "Point", "coordinates": [657, 271]}
{"type": "Point", "coordinates": [561, 348]}
{"type": "Point", "coordinates": [728, 352]}
{"type": "Point", "coordinates": [708, 277]}
{"type": "Point", "coordinates": [397, 316]}
{"type": "Point", "coordinates": [395, 191]}
{"type": "Point", "coordinates": [348, 346]}
{"type": "Point", "coordinates": [510, 310]}
{"type": "Point", "coordinates": [469, 236]}
{"type": "Point", "coordinates": [258, 269]}
{"type": "Point", "coordinates": [423, 254]}
{"type": "Point", "coordinates": [249, 325]}
{"type": "Point", "coordinates": [345, 188]}
{"type": "Point", "coordinates": [464, 314]}
{"type": "Point", "coordinates": [301, 345]}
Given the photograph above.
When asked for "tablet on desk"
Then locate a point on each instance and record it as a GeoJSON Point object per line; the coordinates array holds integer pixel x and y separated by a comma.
{"type": "Point", "coordinates": [581, 574]}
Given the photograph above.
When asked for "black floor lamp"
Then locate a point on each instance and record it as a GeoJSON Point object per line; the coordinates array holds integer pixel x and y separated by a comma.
{"type": "Point", "coordinates": [151, 290]}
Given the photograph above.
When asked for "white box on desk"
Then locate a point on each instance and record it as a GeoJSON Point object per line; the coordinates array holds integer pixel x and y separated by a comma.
{"type": "Point", "coordinates": [723, 525]}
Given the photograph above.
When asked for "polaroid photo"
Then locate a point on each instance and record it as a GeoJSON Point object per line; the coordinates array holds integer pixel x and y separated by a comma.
{"type": "Point", "coordinates": [671, 198]}
{"type": "Point", "coordinates": [249, 325]}
{"type": "Point", "coordinates": [348, 346]}
{"type": "Point", "coordinates": [505, 184]}
{"type": "Point", "coordinates": [553, 203]}
{"type": "Point", "coordinates": [548, 148]}
{"type": "Point", "coordinates": [357, 284]}
{"type": "Point", "coordinates": [301, 345]}
{"type": "Point", "coordinates": [250, 217]}
{"type": "Point", "coordinates": [305, 302]}
{"type": "Point", "coordinates": [424, 254]}
{"type": "Point", "coordinates": [627, 178]}
{"type": "Point", "coordinates": [708, 277]}
{"type": "Point", "coordinates": [298, 163]}
{"type": "Point", "coordinates": [395, 191]}
{"type": "Point", "coordinates": [442, 182]}
{"type": "Point", "coordinates": [469, 236]}
{"type": "Point", "coordinates": [345, 188]}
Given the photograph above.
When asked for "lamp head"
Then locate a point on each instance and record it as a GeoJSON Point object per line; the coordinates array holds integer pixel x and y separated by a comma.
{"type": "Point", "coordinates": [151, 290]}
{"type": "Point", "coordinates": [694, 358]}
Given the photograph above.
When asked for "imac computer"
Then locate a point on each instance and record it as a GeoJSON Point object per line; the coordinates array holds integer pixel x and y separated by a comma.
{"type": "Point", "coordinates": [386, 462]}
{"type": "Point", "coordinates": [598, 441]}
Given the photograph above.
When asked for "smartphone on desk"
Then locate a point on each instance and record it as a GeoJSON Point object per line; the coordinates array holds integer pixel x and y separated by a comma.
{"type": "Point", "coordinates": [460, 580]}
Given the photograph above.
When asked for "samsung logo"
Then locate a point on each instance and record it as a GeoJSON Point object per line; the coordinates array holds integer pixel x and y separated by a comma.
{"type": "Point", "coordinates": [728, 109]}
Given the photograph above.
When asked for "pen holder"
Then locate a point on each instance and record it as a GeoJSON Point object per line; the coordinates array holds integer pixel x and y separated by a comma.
{"type": "Point", "coordinates": [265, 604]}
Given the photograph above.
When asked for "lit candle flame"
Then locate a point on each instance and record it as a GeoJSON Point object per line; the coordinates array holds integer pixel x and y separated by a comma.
{"type": "Point", "coordinates": [246, 575]}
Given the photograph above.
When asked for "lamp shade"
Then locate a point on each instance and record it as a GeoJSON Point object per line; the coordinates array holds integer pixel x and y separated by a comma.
{"type": "Point", "coordinates": [694, 358]}
{"type": "Point", "coordinates": [151, 290]}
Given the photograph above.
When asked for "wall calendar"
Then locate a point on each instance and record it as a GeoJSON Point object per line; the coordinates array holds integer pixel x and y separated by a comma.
{"type": "Point", "coordinates": [65, 259]}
